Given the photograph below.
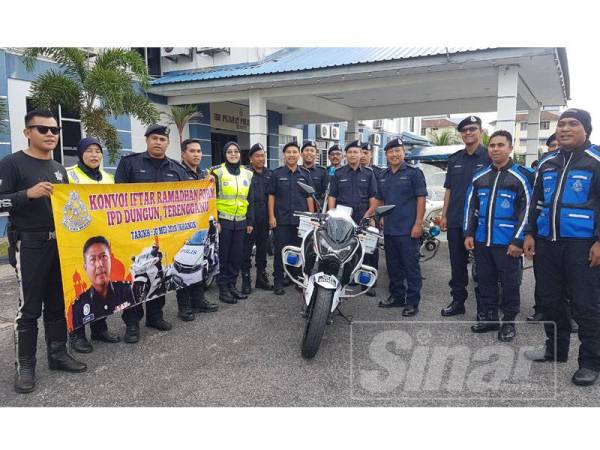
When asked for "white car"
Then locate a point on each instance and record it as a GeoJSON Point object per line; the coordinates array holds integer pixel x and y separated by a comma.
{"type": "Point", "coordinates": [197, 260]}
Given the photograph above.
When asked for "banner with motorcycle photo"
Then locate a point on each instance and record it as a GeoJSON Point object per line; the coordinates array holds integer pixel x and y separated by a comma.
{"type": "Point", "coordinates": [124, 244]}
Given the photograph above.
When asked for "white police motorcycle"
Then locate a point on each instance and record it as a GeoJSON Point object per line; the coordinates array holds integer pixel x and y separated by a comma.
{"type": "Point", "coordinates": [150, 278]}
{"type": "Point", "coordinates": [329, 259]}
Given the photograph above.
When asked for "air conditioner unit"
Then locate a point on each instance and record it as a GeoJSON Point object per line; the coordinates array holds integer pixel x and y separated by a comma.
{"type": "Point", "coordinates": [211, 51]}
{"type": "Point", "coordinates": [335, 133]}
{"type": "Point", "coordinates": [376, 139]}
{"type": "Point", "coordinates": [173, 53]}
{"type": "Point", "coordinates": [323, 132]}
{"type": "Point", "coordinates": [378, 123]}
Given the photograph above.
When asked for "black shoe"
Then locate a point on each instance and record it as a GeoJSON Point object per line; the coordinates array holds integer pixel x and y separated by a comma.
{"type": "Point", "coordinates": [25, 375]}
{"type": "Point", "coordinates": [185, 314]}
{"type": "Point", "coordinates": [535, 318]}
{"type": "Point", "coordinates": [391, 302]}
{"type": "Point", "coordinates": [60, 359]}
{"type": "Point", "coordinates": [79, 342]}
{"type": "Point", "coordinates": [262, 281]}
{"type": "Point", "coordinates": [225, 295]}
{"type": "Point", "coordinates": [453, 309]}
{"type": "Point", "coordinates": [246, 283]}
{"type": "Point", "coordinates": [106, 336]}
{"type": "Point", "coordinates": [279, 290]}
{"type": "Point", "coordinates": [585, 377]}
{"type": "Point", "coordinates": [543, 356]}
{"type": "Point", "coordinates": [371, 293]}
{"type": "Point", "coordinates": [287, 282]}
{"type": "Point", "coordinates": [160, 324]}
{"type": "Point", "coordinates": [483, 326]}
{"type": "Point", "coordinates": [507, 332]}
{"type": "Point", "coordinates": [235, 293]}
{"type": "Point", "coordinates": [132, 334]}
{"type": "Point", "coordinates": [410, 311]}
{"type": "Point", "coordinates": [204, 306]}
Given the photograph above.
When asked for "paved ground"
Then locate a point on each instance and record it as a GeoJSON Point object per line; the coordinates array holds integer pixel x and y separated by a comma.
{"type": "Point", "coordinates": [248, 355]}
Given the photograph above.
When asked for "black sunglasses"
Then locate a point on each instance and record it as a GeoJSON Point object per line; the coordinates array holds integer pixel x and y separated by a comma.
{"type": "Point", "coordinates": [471, 129]}
{"type": "Point", "coordinates": [43, 129]}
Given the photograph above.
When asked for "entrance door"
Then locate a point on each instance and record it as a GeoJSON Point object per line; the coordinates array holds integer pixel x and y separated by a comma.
{"type": "Point", "coordinates": [217, 141]}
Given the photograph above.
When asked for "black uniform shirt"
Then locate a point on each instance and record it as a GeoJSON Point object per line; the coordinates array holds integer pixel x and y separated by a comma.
{"type": "Point", "coordinates": [319, 177]}
{"type": "Point", "coordinates": [354, 188]}
{"type": "Point", "coordinates": [289, 197]}
{"type": "Point", "coordinates": [19, 172]}
{"type": "Point", "coordinates": [461, 167]}
{"type": "Point", "coordinates": [91, 306]}
{"type": "Point", "coordinates": [200, 174]}
{"type": "Point", "coordinates": [141, 168]}
{"type": "Point", "coordinates": [260, 194]}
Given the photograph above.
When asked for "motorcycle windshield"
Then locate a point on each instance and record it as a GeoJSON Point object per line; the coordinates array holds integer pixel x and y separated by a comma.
{"type": "Point", "coordinates": [198, 238]}
{"type": "Point", "coordinates": [339, 230]}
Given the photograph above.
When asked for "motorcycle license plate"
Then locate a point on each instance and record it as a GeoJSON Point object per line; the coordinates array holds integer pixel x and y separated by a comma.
{"type": "Point", "coordinates": [326, 279]}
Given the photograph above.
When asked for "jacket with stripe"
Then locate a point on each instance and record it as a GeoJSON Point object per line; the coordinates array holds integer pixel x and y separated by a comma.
{"type": "Point", "coordinates": [566, 195]}
{"type": "Point", "coordinates": [497, 205]}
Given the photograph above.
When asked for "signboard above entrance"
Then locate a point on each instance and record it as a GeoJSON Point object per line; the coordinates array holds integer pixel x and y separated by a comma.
{"type": "Point", "coordinates": [229, 116]}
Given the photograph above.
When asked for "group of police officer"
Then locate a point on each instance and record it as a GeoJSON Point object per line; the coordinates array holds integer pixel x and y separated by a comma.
{"type": "Point", "coordinates": [492, 207]}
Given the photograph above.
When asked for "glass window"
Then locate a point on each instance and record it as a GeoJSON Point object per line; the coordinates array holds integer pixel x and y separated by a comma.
{"type": "Point", "coordinates": [544, 125]}
{"type": "Point", "coordinates": [523, 126]}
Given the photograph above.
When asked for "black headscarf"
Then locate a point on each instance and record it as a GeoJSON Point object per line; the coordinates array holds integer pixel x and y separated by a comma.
{"type": "Point", "coordinates": [233, 169]}
{"type": "Point", "coordinates": [94, 174]}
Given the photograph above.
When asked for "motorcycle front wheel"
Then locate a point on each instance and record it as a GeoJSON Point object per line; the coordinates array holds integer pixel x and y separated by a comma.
{"type": "Point", "coordinates": [316, 321]}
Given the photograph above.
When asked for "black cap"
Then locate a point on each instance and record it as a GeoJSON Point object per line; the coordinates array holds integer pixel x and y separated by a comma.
{"type": "Point", "coordinates": [582, 116]}
{"type": "Point", "coordinates": [255, 148]}
{"type": "Point", "coordinates": [309, 144]}
{"type": "Point", "coordinates": [471, 120]}
{"type": "Point", "coordinates": [334, 148]}
{"type": "Point", "coordinates": [550, 140]}
{"type": "Point", "coordinates": [356, 143]}
{"type": "Point", "coordinates": [290, 144]}
{"type": "Point", "coordinates": [396, 142]}
{"type": "Point", "coordinates": [156, 128]}
{"type": "Point", "coordinates": [367, 146]}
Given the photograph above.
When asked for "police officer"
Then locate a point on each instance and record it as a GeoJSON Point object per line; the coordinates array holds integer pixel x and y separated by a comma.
{"type": "Point", "coordinates": [335, 157]}
{"type": "Point", "coordinates": [461, 167]}
{"type": "Point", "coordinates": [151, 166]}
{"type": "Point", "coordinates": [88, 171]}
{"type": "Point", "coordinates": [404, 186]}
{"type": "Point", "coordinates": [235, 209]}
{"type": "Point", "coordinates": [366, 160]}
{"type": "Point", "coordinates": [496, 211]}
{"type": "Point", "coordinates": [261, 177]}
{"type": "Point", "coordinates": [354, 185]}
{"type": "Point", "coordinates": [551, 145]}
{"type": "Point", "coordinates": [27, 179]}
{"type": "Point", "coordinates": [191, 299]}
{"type": "Point", "coordinates": [285, 197]}
{"type": "Point", "coordinates": [318, 174]}
{"type": "Point", "coordinates": [563, 235]}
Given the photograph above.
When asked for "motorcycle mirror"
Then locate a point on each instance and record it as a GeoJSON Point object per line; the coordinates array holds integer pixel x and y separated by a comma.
{"type": "Point", "coordinates": [384, 210]}
{"type": "Point", "coordinates": [306, 188]}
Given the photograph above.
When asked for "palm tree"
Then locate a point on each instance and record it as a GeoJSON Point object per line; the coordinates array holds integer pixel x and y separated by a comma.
{"type": "Point", "coordinates": [3, 113]}
{"type": "Point", "coordinates": [180, 116]}
{"type": "Point", "coordinates": [445, 137]}
{"type": "Point", "coordinates": [485, 137]}
{"type": "Point", "coordinates": [96, 90]}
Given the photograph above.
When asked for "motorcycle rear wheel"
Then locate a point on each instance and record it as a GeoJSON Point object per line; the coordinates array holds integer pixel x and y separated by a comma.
{"type": "Point", "coordinates": [316, 321]}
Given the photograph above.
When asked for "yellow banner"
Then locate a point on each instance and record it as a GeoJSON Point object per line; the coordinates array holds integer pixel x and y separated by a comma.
{"type": "Point", "coordinates": [124, 244]}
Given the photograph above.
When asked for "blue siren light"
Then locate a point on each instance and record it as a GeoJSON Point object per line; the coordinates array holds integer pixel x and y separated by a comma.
{"type": "Point", "coordinates": [364, 277]}
{"type": "Point", "coordinates": [292, 259]}
{"type": "Point", "coordinates": [434, 231]}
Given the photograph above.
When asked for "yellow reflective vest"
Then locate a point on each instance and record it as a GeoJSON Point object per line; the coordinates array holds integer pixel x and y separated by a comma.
{"type": "Point", "coordinates": [78, 176]}
{"type": "Point", "coordinates": [232, 198]}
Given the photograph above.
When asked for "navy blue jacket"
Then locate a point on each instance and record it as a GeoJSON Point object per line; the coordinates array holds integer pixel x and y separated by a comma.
{"type": "Point", "coordinates": [497, 205]}
{"type": "Point", "coordinates": [140, 168]}
{"type": "Point", "coordinates": [566, 196]}
{"type": "Point", "coordinates": [289, 197]}
{"type": "Point", "coordinates": [354, 188]}
{"type": "Point", "coordinates": [260, 195]}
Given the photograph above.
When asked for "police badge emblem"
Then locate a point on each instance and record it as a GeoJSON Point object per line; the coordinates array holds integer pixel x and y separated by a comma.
{"type": "Point", "coordinates": [75, 214]}
{"type": "Point", "coordinates": [505, 204]}
{"type": "Point", "coordinates": [86, 309]}
{"type": "Point", "coordinates": [58, 176]}
{"type": "Point", "coordinates": [578, 186]}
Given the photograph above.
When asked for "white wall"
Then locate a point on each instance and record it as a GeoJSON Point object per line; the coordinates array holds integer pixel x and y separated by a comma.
{"type": "Point", "coordinates": [17, 108]}
{"type": "Point", "coordinates": [237, 55]}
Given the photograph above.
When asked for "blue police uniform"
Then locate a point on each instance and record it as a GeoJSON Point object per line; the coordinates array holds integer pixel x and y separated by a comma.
{"type": "Point", "coordinates": [496, 210]}
{"type": "Point", "coordinates": [564, 219]}
{"type": "Point", "coordinates": [401, 188]}
{"type": "Point", "coordinates": [320, 179]}
{"type": "Point", "coordinates": [289, 197]}
{"type": "Point", "coordinates": [260, 224]}
{"type": "Point", "coordinates": [373, 258]}
{"type": "Point", "coordinates": [354, 188]}
{"type": "Point", "coordinates": [461, 168]}
{"type": "Point", "coordinates": [142, 168]}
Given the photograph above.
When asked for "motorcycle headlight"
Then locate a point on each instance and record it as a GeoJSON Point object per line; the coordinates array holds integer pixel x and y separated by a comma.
{"type": "Point", "coordinates": [434, 230]}
{"type": "Point", "coordinates": [327, 251]}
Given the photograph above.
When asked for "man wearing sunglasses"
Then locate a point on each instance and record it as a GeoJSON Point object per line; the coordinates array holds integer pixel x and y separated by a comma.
{"type": "Point", "coordinates": [461, 167]}
{"type": "Point", "coordinates": [26, 183]}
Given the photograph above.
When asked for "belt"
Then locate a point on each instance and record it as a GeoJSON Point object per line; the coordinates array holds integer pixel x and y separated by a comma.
{"type": "Point", "coordinates": [36, 235]}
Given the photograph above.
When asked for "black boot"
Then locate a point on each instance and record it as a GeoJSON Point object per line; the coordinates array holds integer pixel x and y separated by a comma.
{"type": "Point", "coordinates": [56, 343]}
{"type": "Point", "coordinates": [246, 282]}
{"type": "Point", "coordinates": [184, 305]}
{"type": "Point", "coordinates": [132, 333]}
{"type": "Point", "coordinates": [225, 295]}
{"type": "Point", "coordinates": [507, 332]}
{"type": "Point", "coordinates": [236, 294]}
{"type": "Point", "coordinates": [25, 346]}
{"type": "Point", "coordinates": [199, 302]}
{"type": "Point", "coordinates": [489, 322]}
{"type": "Point", "coordinates": [79, 342]}
{"type": "Point", "coordinates": [262, 280]}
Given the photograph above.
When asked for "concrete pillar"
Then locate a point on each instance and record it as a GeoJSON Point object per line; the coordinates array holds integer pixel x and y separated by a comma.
{"type": "Point", "coordinates": [352, 132]}
{"type": "Point", "coordinates": [533, 135]}
{"type": "Point", "coordinates": [258, 118]}
{"type": "Point", "coordinates": [508, 77]}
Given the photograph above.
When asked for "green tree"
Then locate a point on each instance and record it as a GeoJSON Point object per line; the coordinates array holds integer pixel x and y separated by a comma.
{"type": "Point", "coordinates": [180, 116]}
{"type": "Point", "coordinates": [445, 137]}
{"type": "Point", "coordinates": [485, 137]}
{"type": "Point", "coordinates": [96, 90]}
